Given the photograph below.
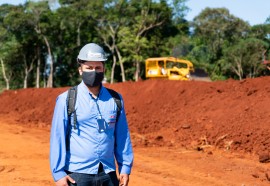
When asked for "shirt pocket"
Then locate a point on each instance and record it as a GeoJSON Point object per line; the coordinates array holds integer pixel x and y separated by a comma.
{"type": "Point", "coordinates": [110, 118]}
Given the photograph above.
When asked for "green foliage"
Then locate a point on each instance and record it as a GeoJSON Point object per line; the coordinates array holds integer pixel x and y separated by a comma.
{"type": "Point", "coordinates": [130, 31]}
{"type": "Point", "coordinates": [244, 58]}
{"type": "Point", "coordinates": [217, 27]}
{"type": "Point", "coordinates": [222, 36]}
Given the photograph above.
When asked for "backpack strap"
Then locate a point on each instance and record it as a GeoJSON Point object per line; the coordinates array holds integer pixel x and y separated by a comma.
{"type": "Point", "coordinates": [71, 101]}
{"type": "Point", "coordinates": [117, 100]}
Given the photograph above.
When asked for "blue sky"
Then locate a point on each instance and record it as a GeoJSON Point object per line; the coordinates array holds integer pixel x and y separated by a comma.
{"type": "Point", "coordinates": [252, 11]}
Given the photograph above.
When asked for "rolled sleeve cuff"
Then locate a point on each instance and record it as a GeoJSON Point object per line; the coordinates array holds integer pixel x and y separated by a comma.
{"type": "Point", "coordinates": [58, 175]}
{"type": "Point", "coordinates": [125, 169]}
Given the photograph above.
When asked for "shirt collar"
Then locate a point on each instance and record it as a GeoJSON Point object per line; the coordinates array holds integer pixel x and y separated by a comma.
{"type": "Point", "coordinates": [85, 89]}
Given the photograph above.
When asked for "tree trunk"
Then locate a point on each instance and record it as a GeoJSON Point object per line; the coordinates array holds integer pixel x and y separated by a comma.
{"type": "Point", "coordinates": [121, 64]}
{"type": "Point", "coordinates": [38, 68]}
{"type": "Point", "coordinates": [27, 71]}
{"type": "Point", "coordinates": [238, 70]}
{"type": "Point", "coordinates": [113, 67]}
{"type": "Point", "coordinates": [44, 78]}
{"type": "Point", "coordinates": [50, 78]}
{"type": "Point", "coordinates": [122, 70]}
{"type": "Point", "coordinates": [4, 74]}
{"type": "Point", "coordinates": [137, 72]}
{"type": "Point", "coordinates": [25, 79]}
{"type": "Point", "coordinates": [79, 34]}
{"type": "Point", "coordinates": [137, 62]}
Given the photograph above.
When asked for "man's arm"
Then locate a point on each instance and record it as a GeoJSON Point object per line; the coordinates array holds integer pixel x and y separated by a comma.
{"type": "Point", "coordinates": [123, 147]}
{"type": "Point", "coordinates": [58, 139]}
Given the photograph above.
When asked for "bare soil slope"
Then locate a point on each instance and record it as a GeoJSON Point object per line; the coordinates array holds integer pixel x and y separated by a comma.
{"type": "Point", "coordinates": [229, 116]}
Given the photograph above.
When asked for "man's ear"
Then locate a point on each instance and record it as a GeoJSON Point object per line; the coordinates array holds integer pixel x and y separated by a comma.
{"type": "Point", "coordinates": [80, 70]}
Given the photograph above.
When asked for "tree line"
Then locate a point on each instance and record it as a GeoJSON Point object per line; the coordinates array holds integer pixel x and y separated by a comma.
{"type": "Point", "coordinates": [39, 43]}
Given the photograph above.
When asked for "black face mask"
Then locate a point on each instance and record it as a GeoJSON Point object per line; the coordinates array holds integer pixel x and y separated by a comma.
{"type": "Point", "coordinates": [92, 78]}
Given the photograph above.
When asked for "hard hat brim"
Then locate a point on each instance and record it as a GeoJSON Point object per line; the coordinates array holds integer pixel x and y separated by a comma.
{"type": "Point", "coordinates": [92, 59]}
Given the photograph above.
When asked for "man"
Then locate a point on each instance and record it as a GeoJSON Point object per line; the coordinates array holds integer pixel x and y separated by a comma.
{"type": "Point", "coordinates": [161, 67]}
{"type": "Point", "coordinates": [85, 155]}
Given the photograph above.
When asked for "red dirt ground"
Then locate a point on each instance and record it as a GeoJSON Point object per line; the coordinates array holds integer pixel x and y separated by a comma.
{"type": "Point", "coordinates": [207, 133]}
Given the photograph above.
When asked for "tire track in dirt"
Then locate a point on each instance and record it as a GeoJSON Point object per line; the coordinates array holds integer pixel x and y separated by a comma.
{"type": "Point", "coordinates": [161, 171]}
{"type": "Point", "coordinates": [162, 166]}
{"type": "Point", "coordinates": [24, 160]}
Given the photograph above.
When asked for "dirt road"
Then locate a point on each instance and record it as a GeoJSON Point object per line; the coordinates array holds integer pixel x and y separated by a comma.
{"type": "Point", "coordinates": [24, 161]}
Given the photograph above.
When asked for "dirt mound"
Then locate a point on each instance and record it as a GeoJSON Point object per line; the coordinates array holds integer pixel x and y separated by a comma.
{"type": "Point", "coordinates": [231, 115]}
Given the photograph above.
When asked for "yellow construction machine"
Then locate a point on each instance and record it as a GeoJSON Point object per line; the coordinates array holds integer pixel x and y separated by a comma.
{"type": "Point", "coordinates": [168, 67]}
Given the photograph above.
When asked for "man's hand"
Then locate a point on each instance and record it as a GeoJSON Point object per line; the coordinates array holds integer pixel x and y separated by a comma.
{"type": "Point", "coordinates": [64, 181]}
{"type": "Point", "coordinates": [124, 178]}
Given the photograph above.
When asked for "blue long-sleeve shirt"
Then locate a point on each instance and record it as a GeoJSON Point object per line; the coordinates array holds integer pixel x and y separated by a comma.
{"type": "Point", "coordinates": [89, 146]}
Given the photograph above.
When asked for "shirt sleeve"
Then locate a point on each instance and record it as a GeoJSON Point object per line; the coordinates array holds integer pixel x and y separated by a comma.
{"type": "Point", "coordinates": [123, 147]}
{"type": "Point", "coordinates": [58, 139]}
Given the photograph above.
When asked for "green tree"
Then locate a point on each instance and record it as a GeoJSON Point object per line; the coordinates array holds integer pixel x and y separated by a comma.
{"type": "Point", "coordinates": [148, 16]}
{"type": "Point", "coordinates": [113, 17]}
{"type": "Point", "coordinates": [38, 12]}
{"type": "Point", "coordinates": [244, 58]}
{"type": "Point", "coordinates": [217, 29]}
{"type": "Point", "coordinates": [262, 32]}
{"type": "Point", "coordinates": [74, 22]}
{"type": "Point", "coordinates": [10, 46]}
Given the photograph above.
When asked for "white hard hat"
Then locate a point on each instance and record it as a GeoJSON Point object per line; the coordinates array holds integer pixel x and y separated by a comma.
{"type": "Point", "coordinates": [92, 52]}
